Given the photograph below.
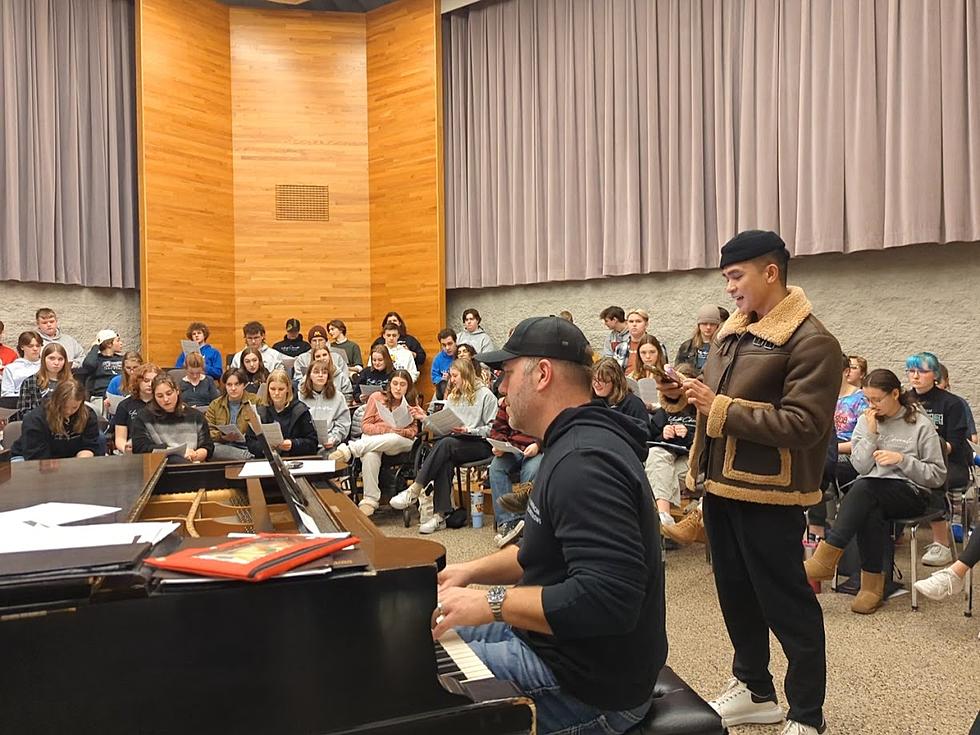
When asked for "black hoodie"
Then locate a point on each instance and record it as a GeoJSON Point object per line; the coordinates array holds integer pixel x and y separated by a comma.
{"type": "Point", "coordinates": [592, 542]}
{"type": "Point", "coordinates": [296, 424]}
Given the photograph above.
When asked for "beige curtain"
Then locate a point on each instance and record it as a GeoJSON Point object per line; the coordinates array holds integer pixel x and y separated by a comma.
{"type": "Point", "coordinates": [68, 206]}
{"type": "Point", "coordinates": [589, 138]}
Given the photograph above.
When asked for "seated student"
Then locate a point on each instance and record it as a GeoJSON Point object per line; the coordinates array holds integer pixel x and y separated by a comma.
{"type": "Point", "coordinates": [7, 355]}
{"type": "Point", "coordinates": [196, 388]}
{"type": "Point", "coordinates": [651, 363]}
{"type": "Point", "coordinates": [378, 373]}
{"type": "Point", "coordinates": [401, 356]}
{"type": "Point", "coordinates": [899, 457]}
{"type": "Point", "coordinates": [318, 339]}
{"type": "Point", "coordinates": [141, 393]}
{"type": "Point", "coordinates": [168, 422]}
{"type": "Point", "coordinates": [441, 362]}
{"type": "Point", "coordinates": [483, 373]}
{"type": "Point", "coordinates": [341, 379]}
{"type": "Point", "coordinates": [510, 524]}
{"type": "Point", "coordinates": [103, 362]}
{"type": "Point", "coordinates": [672, 433]}
{"type": "Point", "coordinates": [62, 427]}
{"type": "Point", "coordinates": [609, 385]}
{"type": "Point", "coordinates": [121, 384]}
{"type": "Point", "coordinates": [233, 406]}
{"type": "Point", "coordinates": [292, 343]}
{"type": "Point", "coordinates": [380, 438]}
{"type": "Point", "coordinates": [971, 423]}
{"type": "Point", "coordinates": [47, 326]}
{"type": "Point", "coordinates": [410, 343]}
{"type": "Point", "coordinates": [326, 403]}
{"type": "Point", "coordinates": [947, 582]}
{"type": "Point", "coordinates": [352, 351]}
{"type": "Point", "coordinates": [695, 350]}
{"type": "Point", "coordinates": [15, 373]}
{"type": "Point", "coordinates": [54, 368]}
{"type": "Point", "coordinates": [199, 332]}
{"type": "Point", "coordinates": [292, 415]}
{"type": "Point", "coordinates": [473, 333]}
{"type": "Point", "coordinates": [255, 339]}
{"type": "Point", "coordinates": [255, 371]}
{"type": "Point", "coordinates": [617, 342]}
{"type": "Point", "coordinates": [947, 413]}
{"type": "Point", "coordinates": [476, 407]}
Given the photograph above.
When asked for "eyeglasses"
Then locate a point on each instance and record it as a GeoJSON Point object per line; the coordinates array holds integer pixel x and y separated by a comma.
{"type": "Point", "coordinates": [600, 381]}
{"type": "Point", "coordinates": [918, 371]}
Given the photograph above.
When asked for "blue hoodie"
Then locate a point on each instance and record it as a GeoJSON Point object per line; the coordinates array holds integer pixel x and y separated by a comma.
{"type": "Point", "coordinates": [440, 365]}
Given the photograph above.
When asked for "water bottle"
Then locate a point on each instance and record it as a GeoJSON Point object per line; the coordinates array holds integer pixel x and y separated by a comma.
{"type": "Point", "coordinates": [476, 508]}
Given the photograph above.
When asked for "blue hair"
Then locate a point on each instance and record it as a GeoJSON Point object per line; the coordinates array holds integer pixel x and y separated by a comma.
{"type": "Point", "coordinates": [923, 361]}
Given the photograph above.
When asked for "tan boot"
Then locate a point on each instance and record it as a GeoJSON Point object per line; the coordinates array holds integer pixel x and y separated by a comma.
{"type": "Point", "coordinates": [822, 565]}
{"type": "Point", "coordinates": [688, 531]}
{"type": "Point", "coordinates": [872, 590]}
{"type": "Point", "coordinates": [516, 500]}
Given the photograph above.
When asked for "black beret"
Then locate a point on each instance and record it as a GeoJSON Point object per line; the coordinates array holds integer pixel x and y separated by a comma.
{"type": "Point", "coordinates": [751, 244]}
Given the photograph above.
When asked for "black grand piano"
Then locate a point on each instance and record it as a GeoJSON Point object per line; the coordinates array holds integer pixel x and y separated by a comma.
{"type": "Point", "coordinates": [341, 653]}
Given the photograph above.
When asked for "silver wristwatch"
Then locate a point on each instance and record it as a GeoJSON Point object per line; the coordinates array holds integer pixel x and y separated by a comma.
{"type": "Point", "coordinates": [495, 598]}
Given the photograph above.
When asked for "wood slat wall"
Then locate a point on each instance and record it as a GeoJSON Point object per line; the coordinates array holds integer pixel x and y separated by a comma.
{"type": "Point", "coordinates": [299, 112]}
{"type": "Point", "coordinates": [405, 164]}
{"type": "Point", "coordinates": [185, 170]}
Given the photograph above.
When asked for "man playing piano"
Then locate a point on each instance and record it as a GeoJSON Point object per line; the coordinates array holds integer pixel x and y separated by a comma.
{"type": "Point", "coordinates": [582, 632]}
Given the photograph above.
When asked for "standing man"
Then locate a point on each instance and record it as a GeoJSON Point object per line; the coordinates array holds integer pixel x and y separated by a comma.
{"type": "Point", "coordinates": [765, 419]}
{"type": "Point", "coordinates": [583, 629]}
{"type": "Point", "coordinates": [617, 342]}
{"type": "Point", "coordinates": [47, 327]}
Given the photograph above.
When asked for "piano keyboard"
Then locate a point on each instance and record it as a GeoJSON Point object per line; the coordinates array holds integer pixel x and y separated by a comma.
{"type": "Point", "coordinates": [456, 660]}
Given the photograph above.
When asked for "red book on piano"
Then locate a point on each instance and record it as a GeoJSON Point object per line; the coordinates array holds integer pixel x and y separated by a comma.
{"type": "Point", "coordinates": [252, 559]}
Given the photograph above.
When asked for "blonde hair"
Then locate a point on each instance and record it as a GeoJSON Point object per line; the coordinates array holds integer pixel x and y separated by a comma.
{"type": "Point", "coordinates": [279, 376]}
{"type": "Point", "coordinates": [468, 380]}
{"type": "Point", "coordinates": [194, 360]}
{"type": "Point", "coordinates": [642, 313]}
{"type": "Point", "coordinates": [65, 391]}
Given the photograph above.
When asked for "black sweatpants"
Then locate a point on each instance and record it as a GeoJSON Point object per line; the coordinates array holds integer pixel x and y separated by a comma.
{"type": "Point", "coordinates": [446, 454]}
{"type": "Point", "coordinates": [757, 554]}
{"type": "Point", "coordinates": [865, 511]}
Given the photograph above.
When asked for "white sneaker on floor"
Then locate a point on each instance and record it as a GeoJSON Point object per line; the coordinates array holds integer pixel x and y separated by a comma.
{"type": "Point", "coordinates": [435, 523]}
{"type": "Point", "coordinates": [798, 728]}
{"type": "Point", "coordinates": [426, 507]}
{"type": "Point", "coordinates": [509, 532]}
{"type": "Point", "coordinates": [367, 508]}
{"type": "Point", "coordinates": [341, 452]}
{"type": "Point", "coordinates": [940, 585]}
{"type": "Point", "coordinates": [666, 519]}
{"type": "Point", "coordinates": [737, 705]}
{"type": "Point", "coordinates": [937, 555]}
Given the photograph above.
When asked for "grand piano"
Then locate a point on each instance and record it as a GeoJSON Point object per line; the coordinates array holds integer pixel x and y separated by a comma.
{"type": "Point", "coordinates": [341, 653]}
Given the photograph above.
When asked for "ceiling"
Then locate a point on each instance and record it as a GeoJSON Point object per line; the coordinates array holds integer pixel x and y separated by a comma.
{"type": "Point", "coordinates": [342, 6]}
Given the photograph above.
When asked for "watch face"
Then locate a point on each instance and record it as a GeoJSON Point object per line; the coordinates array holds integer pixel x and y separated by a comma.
{"type": "Point", "coordinates": [496, 594]}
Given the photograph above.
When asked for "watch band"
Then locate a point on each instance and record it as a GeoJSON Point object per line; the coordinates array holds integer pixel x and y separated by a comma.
{"type": "Point", "coordinates": [495, 598]}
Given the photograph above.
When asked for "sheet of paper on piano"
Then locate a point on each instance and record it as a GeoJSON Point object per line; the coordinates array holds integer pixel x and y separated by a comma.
{"type": "Point", "coordinates": [22, 536]}
{"type": "Point", "coordinates": [56, 514]}
{"type": "Point", "coordinates": [262, 468]}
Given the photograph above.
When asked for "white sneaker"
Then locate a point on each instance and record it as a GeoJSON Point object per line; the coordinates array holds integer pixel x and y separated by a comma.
{"type": "Point", "coordinates": [666, 519]}
{"type": "Point", "coordinates": [937, 555]}
{"type": "Point", "coordinates": [509, 533]}
{"type": "Point", "coordinates": [940, 585]}
{"type": "Point", "coordinates": [367, 508]}
{"type": "Point", "coordinates": [798, 728]}
{"type": "Point", "coordinates": [737, 705]}
{"type": "Point", "coordinates": [341, 452]}
{"type": "Point", "coordinates": [406, 497]}
{"type": "Point", "coordinates": [426, 508]}
{"type": "Point", "coordinates": [436, 523]}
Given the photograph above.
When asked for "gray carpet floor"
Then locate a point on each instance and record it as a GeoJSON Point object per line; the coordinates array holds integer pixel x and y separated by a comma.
{"type": "Point", "coordinates": [896, 671]}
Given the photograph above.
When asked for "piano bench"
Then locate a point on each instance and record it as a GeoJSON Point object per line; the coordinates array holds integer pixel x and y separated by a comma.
{"type": "Point", "coordinates": [678, 710]}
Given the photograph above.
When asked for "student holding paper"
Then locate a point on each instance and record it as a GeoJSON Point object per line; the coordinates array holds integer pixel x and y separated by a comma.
{"type": "Point", "coordinates": [382, 437]}
{"type": "Point", "coordinates": [198, 333]}
{"type": "Point", "coordinates": [509, 524]}
{"type": "Point", "coordinates": [62, 427]}
{"type": "Point", "coordinates": [609, 385]}
{"type": "Point", "coordinates": [341, 378]}
{"type": "Point", "coordinates": [401, 356]}
{"type": "Point", "coordinates": [476, 406]}
{"type": "Point", "coordinates": [126, 412]}
{"type": "Point", "coordinates": [377, 373]}
{"type": "Point", "coordinates": [327, 405]}
{"type": "Point", "coordinates": [54, 369]}
{"type": "Point", "coordinates": [255, 371]}
{"type": "Point", "coordinates": [121, 385]}
{"type": "Point", "coordinates": [196, 388]}
{"type": "Point", "coordinates": [292, 415]}
{"type": "Point", "coordinates": [228, 417]}
{"type": "Point", "coordinates": [168, 422]}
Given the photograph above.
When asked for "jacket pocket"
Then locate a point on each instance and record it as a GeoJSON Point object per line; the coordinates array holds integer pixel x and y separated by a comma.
{"type": "Point", "coordinates": [759, 464]}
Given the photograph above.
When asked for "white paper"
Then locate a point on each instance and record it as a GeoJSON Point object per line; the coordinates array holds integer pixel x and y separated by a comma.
{"type": "Point", "coordinates": [189, 346]}
{"type": "Point", "coordinates": [367, 390]}
{"type": "Point", "coordinates": [647, 388]}
{"type": "Point", "coordinates": [114, 402]}
{"type": "Point", "coordinates": [55, 514]}
{"type": "Point", "coordinates": [399, 418]}
{"type": "Point", "coordinates": [505, 447]}
{"type": "Point", "coordinates": [322, 427]}
{"type": "Point", "coordinates": [288, 362]}
{"type": "Point", "coordinates": [180, 450]}
{"type": "Point", "coordinates": [273, 434]}
{"type": "Point", "coordinates": [442, 422]}
{"type": "Point", "coordinates": [233, 430]}
{"type": "Point", "coordinates": [6, 413]}
{"type": "Point", "coordinates": [633, 386]}
{"type": "Point", "coordinates": [16, 537]}
{"type": "Point", "coordinates": [307, 521]}
{"type": "Point", "coordinates": [307, 467]}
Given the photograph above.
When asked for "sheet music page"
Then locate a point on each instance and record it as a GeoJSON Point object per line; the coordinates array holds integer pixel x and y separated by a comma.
{"type": "Point", "coordinates": [322, 427]}
{"type": "Point", "coordinates": [633, 386]}
{"type": "Point", "coordinates": [180, 450]}
{"type": "Point", "coordinates": [114, 402]}
{"type": "Point", "coordinates": [399, 418]}
{"type": "Point", "coordinates": [273, 434]}
{"type": "Point", "coordinates": [648, 391]}
{"type": "Point", "coordinates": [232, 430]}
{"type": "Point", "coordinates": [442, 422]}
{"type": "Point", "coordinates": [306, 467]}
{"type": "Point", "coordinates": [189, 346]}
{"type": "Point", "coordinates": [505, 447]}
{"type": "Point", "coordinates": [55, 513]}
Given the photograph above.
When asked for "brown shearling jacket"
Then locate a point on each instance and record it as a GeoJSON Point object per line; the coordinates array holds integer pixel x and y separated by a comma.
{"type": "Point", "coordinates": [765, 438]}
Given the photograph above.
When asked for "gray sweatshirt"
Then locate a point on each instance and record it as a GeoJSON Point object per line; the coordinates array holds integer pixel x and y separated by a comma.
{"type": "Point", "coordinates": [477, 416]}
{"type": "Point", "coordinates": [334, 412]}
{"type": "Point", "coordinates": [479, 340]}
{"type": "Point", "coordinates": [919, 444]}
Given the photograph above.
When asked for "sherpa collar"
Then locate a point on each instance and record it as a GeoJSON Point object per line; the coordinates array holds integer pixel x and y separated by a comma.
{"type": "Point", "coordinates": [778, 325]}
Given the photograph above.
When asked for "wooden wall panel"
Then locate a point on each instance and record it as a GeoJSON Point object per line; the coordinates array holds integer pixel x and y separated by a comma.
{"type": "Point", "coordinates": [299, 97]}
{"type": "Point", "coordinates": [405, 163]}
{"type": "Point", "coordinates": [185, 168]}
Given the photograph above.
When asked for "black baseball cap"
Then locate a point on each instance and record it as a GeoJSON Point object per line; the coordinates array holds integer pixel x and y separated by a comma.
{"type": "Point", "coordinates": [751, 244]}
{"type": "Point", "coordinates": [292, 325]}
{"type": "Point", "coordinates": [543, 336]}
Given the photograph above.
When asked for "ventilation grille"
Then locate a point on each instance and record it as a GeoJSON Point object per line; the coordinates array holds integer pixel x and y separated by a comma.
{"type": "Point", "coordinates": [298, 202]}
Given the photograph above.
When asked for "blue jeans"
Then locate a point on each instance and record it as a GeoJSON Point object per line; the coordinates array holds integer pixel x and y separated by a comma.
{"type": "Point", "coordinates": [500, 470]}
{"type": "Point", "coordinates": [510, 658]}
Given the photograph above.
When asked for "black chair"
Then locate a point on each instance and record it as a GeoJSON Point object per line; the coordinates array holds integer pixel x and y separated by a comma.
{"type": "Point", "coordinates": [9, 401]}
{"type": "Point", "coordinates": [678, 710]}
